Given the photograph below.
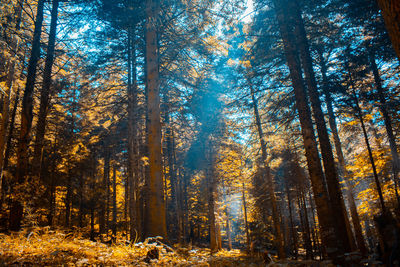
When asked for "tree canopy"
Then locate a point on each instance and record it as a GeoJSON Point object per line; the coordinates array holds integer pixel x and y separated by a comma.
{"type": "Point", "coordinates": [267, 128]}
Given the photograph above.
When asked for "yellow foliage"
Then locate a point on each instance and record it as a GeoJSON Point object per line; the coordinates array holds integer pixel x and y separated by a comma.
{"type": "Point", "coordinates": [45, 247]}
{"type": "Point", "coordinates": [245, 63]}
{"type": "Point", "coordinates": [231, 62]}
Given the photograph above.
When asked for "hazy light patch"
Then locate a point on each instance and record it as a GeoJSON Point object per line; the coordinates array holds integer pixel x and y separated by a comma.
{"type": "Point", "coordinates": [248, 13]}
{"type": "Point", "coordinates": [77, 34]}
{"type": "Point", "coordinates": [235, 205]}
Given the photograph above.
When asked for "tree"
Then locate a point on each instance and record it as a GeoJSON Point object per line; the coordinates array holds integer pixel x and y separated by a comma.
{"type": "Point", "coordinates": [9, 85]}
{"type": "Point", "coordinates": [386, 117]}
{"type": "Point", "coordinates": [16, 211]}
{"type": "Point", "coordinates": [335, 194]}
{"type": "Point", "coordinates": [341, 159]}
{"type": "Point", "coordinates": [155, 220]}
{"type": "Point", "coordinates": [313, 161]}
{"type": "Point", "coordinates": [391, 14]}
{"type": "Point", "coordinates": [269, 179]}
{"type": "Point", "coordinates": [45, 92]}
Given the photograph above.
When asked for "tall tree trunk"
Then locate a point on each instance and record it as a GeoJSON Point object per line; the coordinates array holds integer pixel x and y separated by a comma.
{"type": "Point", "coordinates": [104, 197]}
{"type": "Point", "coordinates": [293, 233]}
{"type": "Point", "coordinates": [314, 230]}
{"type": "Point", "coordinates": [185, 207]}
{"type": "Point", "coordinates": [126, 207]}
{"type": "Point", "coordinates": [391, 14]}
{"type": "Point", "coordinates": [114, 205]}
{"type": "Point", "coordinates": [8, 147]}
{"type": "Point", "coordinates": [171, 168]}
{"type": "Point", "coordinates": [386, 117]}
{"type": "Point", "coordinates": [269, 180]}
{"type": "Point", "coordinates": [342, 164]}
{"type": "Point", "coordinates": [228, 229]}
{"type": "Point", "coordinates": [7, 152]}
{"type": "Point", "coordinates": [9, 88]}
{"type": "Point", "coordinates": [303, 214]}
{"type": "Point", "coordinates": [339, 212]}
{"type": "Point", "coordinates": [16, 210]}
{"type": "Point", "coordinates": [246, 224]}
{"type": "Point", "coordinates": [307, 222]}
{"type": "Point", "coordinates": [11, 130]}
{"type": "Point", "coordinates": [166, 200]}
{"type": "Point", "coordinates": [227, 214]}
{"type": "Point", "coordinates": [81, 200]}
{"type": "Point", "coordinates": [133, 160]}
{"type": "Point", "coordinates": [68, 199]}
{"type": "Point", "coordinates": [52, 185]}
{"type": "Point", "coordinates": [175, 179]}
{"type": "Point", "coordinates": [130, 186]}
{"type": "Point", "coordinates": [211, 210]}
{"type": "Point", "coordinates": [313, 161]}
{"type": "Point", "coordinates": [45, 92]}
{"type": "Point", "coordinates": [218, 232]}
{"type": "Point", "coordinates": [92, 234]}
{"type": "Point", "coordinates": [180, 207]}
{"type": "Point", "coordinates": [365, 134]}
{"type": "Point", "coordinates": [52, 199]}
{"type": "Point", "coordinates": [108, 196]}
{"type": "Point", "coordinates": [155, 207]}
{"type": "Point", "coordinates": [70, 186]}
{"type": "Point", "coordinates": [93, 169]}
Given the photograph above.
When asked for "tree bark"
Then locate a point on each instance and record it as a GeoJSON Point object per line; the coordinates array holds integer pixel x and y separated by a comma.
{"type": "Point", "coordinates": [81, 200]}
{"type": "Point", "coordinates": [93, 175]}
{"type": "Point", "coordinates": [133, 157]}
{"type": "Point", "coordinates": [9, 88]}
{"type": "Point", "coordinates": [16, 211]}
{"type": "Point", "coordinates": [219, 238]}
{"type": "Point", "coordinates": [303, 214]}
{"type": "Point", "coordinates": [180, 208]}
{"type": "Point", "coordinates": [339, 212]}
{"type": "Point", "coordinates": [114, 204]}
{"type": "Point", "coordinates": [314, 229]}
{"type": "Point", "coordinates": [186, 209]}
{"type": "Point", "coordinates": [11, 130]}
{"type": "Point", "coordinates": [52, 185]}
{"type": "Point", "coordinates": [293, 233]}
{"type": "Point", "coordinates": [227, 214]}
{"type": "Point", "coordinates": [52, 200]}
{"type": "Point", "coordinates": [228, 230]}
{"type": "Point", "coordinates": [171, 169]}
{"type": "Point", "coordinates": [313, 161]}
{"type": "Point", "coordinates": [45, 92]}
{"type": "Point", "coordinates": [68, 199]}
{"type": "Point", "coordinates": [155, 206]}
{"type": "Point", "coordinates": [246, 224]}
{"type": "Point", "coordinates": [131, 92]}
{"type": "Point", "coordinates": [211, 210]}
{"type": "Point", "coordinates": [104, 190]}
{"type": "Point", "coordinates": [391, 14]}
{"type": "Point", "coordinates": [4, 182]}
{"type": "Point", "coordinates": [108, 194]}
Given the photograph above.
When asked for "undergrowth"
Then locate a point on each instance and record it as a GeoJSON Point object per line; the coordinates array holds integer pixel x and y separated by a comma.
{"type": "Point", "coordinates": [45, 247]}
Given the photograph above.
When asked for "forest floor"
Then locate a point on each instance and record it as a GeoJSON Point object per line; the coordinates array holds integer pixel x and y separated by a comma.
{"type": "Point", "coordinates": [44, 247]}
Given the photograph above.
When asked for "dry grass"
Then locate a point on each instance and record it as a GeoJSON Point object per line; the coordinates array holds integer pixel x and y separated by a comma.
{"type": "Point", "coordinates": [45, 247]}
{"type": "Point", "coordinates": [42, 247]}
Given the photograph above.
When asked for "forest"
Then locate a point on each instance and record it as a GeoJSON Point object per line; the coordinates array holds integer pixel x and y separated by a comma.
{"type": "Point", "coordinates": [199, 133]}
